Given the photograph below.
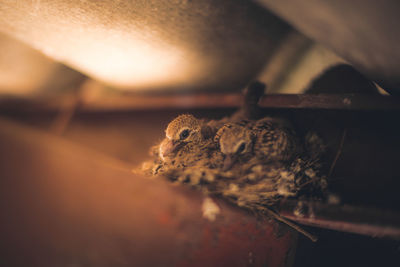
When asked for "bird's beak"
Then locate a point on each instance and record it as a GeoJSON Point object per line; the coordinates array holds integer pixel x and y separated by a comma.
{"type": "Point", "coordinates": [229, 160]}
{"type": "Point", "coordinates": [168, 146]}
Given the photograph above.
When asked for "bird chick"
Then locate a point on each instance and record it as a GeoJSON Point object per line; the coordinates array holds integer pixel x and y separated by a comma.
{"type": "Point", "coordinates": [236, 141]}
{"type": "Point", "coordinates": [276, 140]}
{"type": "Point", "coordinates": [184, 129]}
{"type": "Point", "coordinates": [188, 153]}
{"type": "Point", "coordinates": [268, 139]}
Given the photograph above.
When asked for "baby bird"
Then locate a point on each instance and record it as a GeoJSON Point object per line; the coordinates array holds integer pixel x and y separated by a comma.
{"type": "Point", "coordinates": [188, 154]}
{"type": "Point", "coordinates": [276, 139]}
{"type": "Point", "coordinates": [183, 130]}
{"type": "Point", "coordinates": [236, 141]}
{"type": "Point", "coordinates": [268, 139]}
{"type": "Point", "coordinates": [272, 163]}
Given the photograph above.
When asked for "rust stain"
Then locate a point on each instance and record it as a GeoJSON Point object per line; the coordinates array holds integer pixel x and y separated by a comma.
{"type": "Point", "coordinates": [241, 244]}
{"type": "Point", "coordinates": [164, 218]}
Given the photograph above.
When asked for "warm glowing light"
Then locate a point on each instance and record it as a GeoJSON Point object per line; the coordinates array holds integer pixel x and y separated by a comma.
{"type": "Point", "coordinates": [130, 62]}
{"type": "Point", "coordinates": [112, 41]}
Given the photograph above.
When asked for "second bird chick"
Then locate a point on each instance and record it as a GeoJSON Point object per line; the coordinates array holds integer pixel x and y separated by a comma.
{"type": "Point", "coordinates": [268, 139]}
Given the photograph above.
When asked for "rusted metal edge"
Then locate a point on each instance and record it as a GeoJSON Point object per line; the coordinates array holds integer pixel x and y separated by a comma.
{"type": "Point", "coordinates": [68, 205]}
{"type": "Point", "coordinates": [208, 101]}
{"type": "Point", "coordinates": [346, 218]}
{"type": "Point", "coordinates": [330, 101]}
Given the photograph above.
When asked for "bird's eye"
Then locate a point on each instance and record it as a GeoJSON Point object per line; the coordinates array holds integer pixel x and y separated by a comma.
{"type": "Point", "coordinates": [184, 134]}
{"type": "Point", "coordinates": [241, 148]}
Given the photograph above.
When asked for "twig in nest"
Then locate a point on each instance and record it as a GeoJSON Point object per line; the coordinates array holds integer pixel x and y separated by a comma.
{"type": "Point", "coordinates": [308, 182]}
{"type": "Point", "coordinates": [339, 151]}
{"type": "Point", "coordinates": [289, 223]}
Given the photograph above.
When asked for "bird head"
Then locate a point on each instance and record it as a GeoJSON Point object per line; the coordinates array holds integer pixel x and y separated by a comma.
{"type": "Point", "coordinates": [182, 130]}
{"type": "Point", "coordinates": [235, 142]}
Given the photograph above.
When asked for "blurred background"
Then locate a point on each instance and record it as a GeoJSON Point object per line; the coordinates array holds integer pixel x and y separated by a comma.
{"type": "Point", "coordinates": [108, 76]}
{"type": "Point", "coordinates": [185, 46]}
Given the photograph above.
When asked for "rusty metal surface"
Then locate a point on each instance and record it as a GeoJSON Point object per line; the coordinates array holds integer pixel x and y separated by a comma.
{"type": "Point", "coordinates": [347, 218]}
{"type": "Point", "coordinates": [62, 205]}
{"type": "Point", "coordinates": [356, 102]}
{"type": "Point", "coordinates": [330, 101]}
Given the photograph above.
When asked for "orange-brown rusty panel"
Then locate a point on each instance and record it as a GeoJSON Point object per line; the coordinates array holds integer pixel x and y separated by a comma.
{"type": "Point", "coordinates": [62, 205]}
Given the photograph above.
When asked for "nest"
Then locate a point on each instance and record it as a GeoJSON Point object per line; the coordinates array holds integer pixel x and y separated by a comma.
{"type": "Point", "coordinates": [291, 166]}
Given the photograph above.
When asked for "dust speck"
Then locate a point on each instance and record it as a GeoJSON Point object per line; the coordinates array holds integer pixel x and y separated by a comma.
{"type": "Point", "coordinates": [210, 209]}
